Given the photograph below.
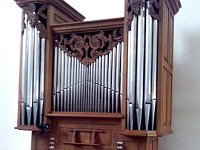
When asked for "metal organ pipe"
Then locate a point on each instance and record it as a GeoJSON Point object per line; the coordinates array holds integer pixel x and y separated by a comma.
{"type": "Point", "coordinates": [148, 64]}
{"type": "Point", "coordinates": [154, 71]}
{"type": "Point", "coordinates": [77, 86]}
{"type": "Point", "coordinates": [99, 84]}
{"type": "Point", "coordinates": [42, 63]}
{"type": "Point", "coordinates": [55, 78]}
{"type": "Point", "coordinates": [132, 70]}
{"type": "Point", "coordinates": [74, 85]}
{"type": "Point", "coordinates": [65, 82]}
{"type": "Point", "coordinates": [94, 86]}
{"type": "Point", "coordinates": [109, 80]}
{"type": "Point", "coordinates": [36, 77]}
{"type": "Point", "coordinates": [113, 78]}
{"type": "Point", "coordinates": [118, 63]}
{"type": "Point", "coordinates": [121, 74]}
{"type": "Point", "coordinates": [24, 71]}
{"type": "Point", "coordinates": [31, 43]}
{"type": "Point", "coordinates": [106, 84]}
{"type": "Point", "coordinates": [58, 81]}
{"type": "Point", "coordinates": [102, 83]}
{"type": "Point", "coordinates": [62, 80]}
{"type": "Point", "coordinates": [69, 89]}
{"type": "Point", "coordinates": [71, 85]}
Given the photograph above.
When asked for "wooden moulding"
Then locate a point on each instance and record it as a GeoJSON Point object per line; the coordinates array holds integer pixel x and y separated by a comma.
{"type": "Point", "coordinates": [175, 5]}
{"type": "Point", "coordinates": [27, 128]}
{"type": "Point", "coordinates": [139, 133]}
{"type": "Point", "coordinates": [88, 26]}
{"type": "Point", "coordinates": [61, 5]}
{"type": "Point", "coordinates": [85, 115]}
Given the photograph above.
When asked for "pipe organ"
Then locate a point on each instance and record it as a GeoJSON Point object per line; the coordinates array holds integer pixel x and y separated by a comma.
{"type": "Point", "coordinates": [98, 85]}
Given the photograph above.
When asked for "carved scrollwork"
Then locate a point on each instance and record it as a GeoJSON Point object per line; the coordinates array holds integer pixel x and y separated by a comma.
{"type": "Point", "coordinates": [154, 9]}
{"type": "Point", "coordinates": [36, 17]}
{"type": "Point", "coordinates": [88, 47]}
{"type": "Point", "coordinates": [30, 10]}
{"type": "Point", "coordinates": [134, 8]}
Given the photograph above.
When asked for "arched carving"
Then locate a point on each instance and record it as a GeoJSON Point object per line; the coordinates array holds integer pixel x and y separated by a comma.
{"type": "Point", "coordinates": [89, 46]}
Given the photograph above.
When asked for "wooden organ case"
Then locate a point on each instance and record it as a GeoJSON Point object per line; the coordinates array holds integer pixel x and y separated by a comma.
{"type": "Point", "coordinates": [96, 85]}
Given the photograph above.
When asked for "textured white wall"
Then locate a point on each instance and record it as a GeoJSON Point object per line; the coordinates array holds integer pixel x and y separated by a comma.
{"type": "Point", "coordinates": [186, 82]}
{"type": "Point", "coordinates": [186, 99]}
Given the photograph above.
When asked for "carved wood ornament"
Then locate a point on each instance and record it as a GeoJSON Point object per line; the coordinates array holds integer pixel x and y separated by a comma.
{"type": "Point", "coordinates": [88, 47]}
{"type": "Point", "coordinates": [134, 7]}
{"type": "Point", "coordinates": [36, 16]}
{"type": "Point", "coordinates": [154, 9]}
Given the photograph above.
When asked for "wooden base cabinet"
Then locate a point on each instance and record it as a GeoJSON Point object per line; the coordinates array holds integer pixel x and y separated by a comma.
{"type": "Point", "coordinates": [105, 134]}
{"type": "Point", "coordinates": [96, 85]}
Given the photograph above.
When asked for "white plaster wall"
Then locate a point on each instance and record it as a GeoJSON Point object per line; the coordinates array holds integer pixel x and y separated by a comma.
{"type": "Point", "coordinates": [186, 99]}
{"type": "Point", "coordinates": [10, 139]}
{"type": "Point", "coordinates": [186, 83]}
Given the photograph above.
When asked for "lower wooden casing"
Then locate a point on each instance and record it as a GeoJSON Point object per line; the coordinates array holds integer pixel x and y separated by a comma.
{"type": "Point", "coordinates": [90, 134]}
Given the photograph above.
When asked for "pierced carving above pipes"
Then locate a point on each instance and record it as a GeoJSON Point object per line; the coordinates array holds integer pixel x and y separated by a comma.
{"type": "Point", "coordinates": [154, 9]}
{"type": "Point", "coordinates": [88, 47]}
{"type": "Point", "coordinates": [134, 7]}
{"type": "Point", "coordinates": [36, 16]}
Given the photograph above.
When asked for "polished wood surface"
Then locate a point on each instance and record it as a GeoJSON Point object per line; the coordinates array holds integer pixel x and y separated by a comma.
{"type": "Point", "coordinates": [165, 69]}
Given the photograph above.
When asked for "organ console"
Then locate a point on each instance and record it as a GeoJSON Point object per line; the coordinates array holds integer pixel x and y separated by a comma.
{"type": "Point", "coordinates": [96, 85]}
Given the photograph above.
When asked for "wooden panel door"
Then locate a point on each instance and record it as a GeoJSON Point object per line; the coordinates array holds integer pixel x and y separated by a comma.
{"type": "Point", "coordinates": [165, 69]}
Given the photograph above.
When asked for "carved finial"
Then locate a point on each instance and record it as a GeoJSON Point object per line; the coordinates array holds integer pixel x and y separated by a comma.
{"type": "Point", "coordinates": [30, 10]}
{"type": "Point", "coordinates": [33, 17]}
{"type": "Point", "coordinates": [51, 143]}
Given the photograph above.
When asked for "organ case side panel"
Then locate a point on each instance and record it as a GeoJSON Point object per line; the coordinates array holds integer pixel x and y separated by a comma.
{"type": "Point", "coordinates": [165, 66]}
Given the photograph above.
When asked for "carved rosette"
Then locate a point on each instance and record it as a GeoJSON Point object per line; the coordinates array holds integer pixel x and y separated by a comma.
{"type": "Point", "coordinates": [134, 8]}
{"type": "Point", "coordinates": [36, 17]}
{"type": "Point", "coordinates": [89, 46]}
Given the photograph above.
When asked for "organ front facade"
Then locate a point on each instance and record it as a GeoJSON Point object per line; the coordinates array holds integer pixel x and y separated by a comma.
{"type": "Point", "coordinates": [96, 85]}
